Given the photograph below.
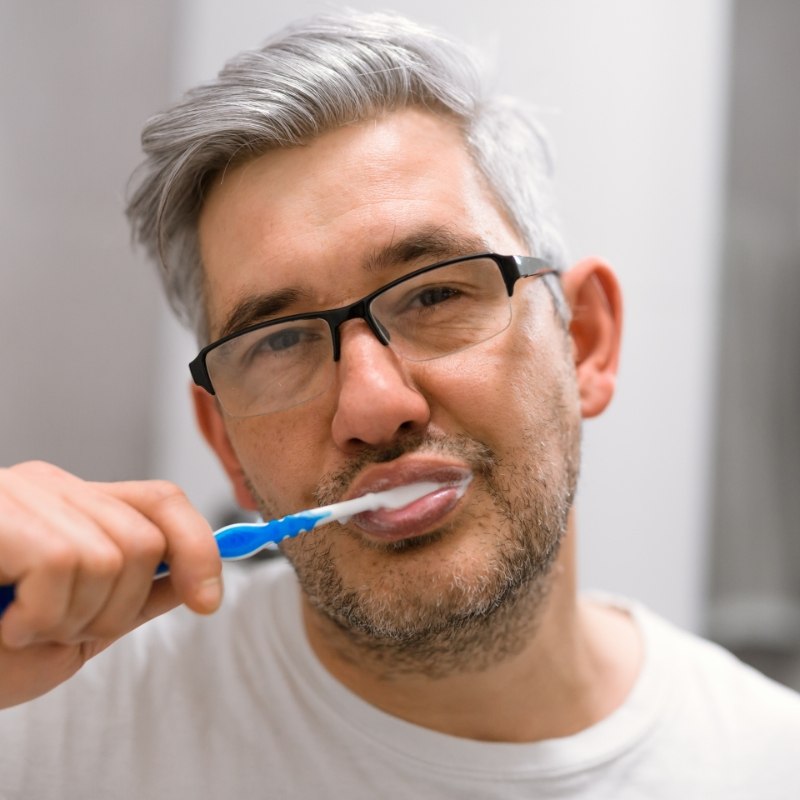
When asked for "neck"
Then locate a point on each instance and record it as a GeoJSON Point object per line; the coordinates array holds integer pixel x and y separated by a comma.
{"type": "Point", "coordinates": [561, 666]}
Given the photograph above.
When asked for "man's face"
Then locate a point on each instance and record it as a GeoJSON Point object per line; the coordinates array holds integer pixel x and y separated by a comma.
{"type": "Point", "coordinates": [321, 224]}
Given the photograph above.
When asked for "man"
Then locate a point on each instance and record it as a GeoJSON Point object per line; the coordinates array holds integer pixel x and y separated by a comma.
{"type": "Point", "coordinates": [329, 215]}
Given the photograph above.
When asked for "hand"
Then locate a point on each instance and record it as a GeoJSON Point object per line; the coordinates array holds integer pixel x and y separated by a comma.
{"type": "Point", "coordinates": [82, 556]}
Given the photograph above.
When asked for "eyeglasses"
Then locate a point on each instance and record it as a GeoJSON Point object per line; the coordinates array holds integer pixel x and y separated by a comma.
{"type": "Point", "coordinates": [429, 313]}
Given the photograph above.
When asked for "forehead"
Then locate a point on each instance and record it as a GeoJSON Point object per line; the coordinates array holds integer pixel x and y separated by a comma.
{"type": "Point", "coordinates": [319, 222]}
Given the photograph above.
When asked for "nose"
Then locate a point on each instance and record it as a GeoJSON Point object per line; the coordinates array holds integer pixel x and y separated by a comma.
{"type": "Point", "coordinates": [376, 401]}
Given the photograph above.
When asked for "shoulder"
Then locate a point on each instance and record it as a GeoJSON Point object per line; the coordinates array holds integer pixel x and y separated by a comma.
{"type": "Point", "coordinates": [723, 713]}
{"type": "Point", "coordinates": [708, 687]}
{"type": "Point", "coordinates": [713, 670]}
{"type": "Point", "coordinates": [698, 722]}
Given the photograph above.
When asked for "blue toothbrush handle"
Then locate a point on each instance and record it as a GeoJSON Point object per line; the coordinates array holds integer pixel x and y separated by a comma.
{"type": "Point", "coordinates": [245, 539]}
{"type": "Point", "coordinates": [235, 542]}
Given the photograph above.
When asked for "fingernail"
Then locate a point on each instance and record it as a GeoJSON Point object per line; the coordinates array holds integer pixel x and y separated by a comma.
{"type": "Point", "coordinates": [209, 595]}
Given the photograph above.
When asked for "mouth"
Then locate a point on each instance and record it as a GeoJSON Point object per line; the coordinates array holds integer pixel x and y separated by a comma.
{"type": "Point", "coordinates": [420, 516]}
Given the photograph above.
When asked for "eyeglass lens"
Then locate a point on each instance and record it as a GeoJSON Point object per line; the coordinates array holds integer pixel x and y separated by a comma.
{"type": "Point", "coordinates": [424, 317]}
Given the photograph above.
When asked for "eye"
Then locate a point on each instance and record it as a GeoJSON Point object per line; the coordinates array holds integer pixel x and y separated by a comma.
{"type": "Point", "coordinates": [433, 295]}
{"type": "Point", "coordinates": [291, 341]}
{"type": "Point", "coordinates": [282, 340]}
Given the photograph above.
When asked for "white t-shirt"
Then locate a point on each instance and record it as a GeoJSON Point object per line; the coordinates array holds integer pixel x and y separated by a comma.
{"type": "Point", "coordinates": [237, 706]}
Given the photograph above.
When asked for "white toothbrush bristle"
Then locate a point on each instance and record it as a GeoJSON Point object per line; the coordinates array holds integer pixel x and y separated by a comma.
{"type": "Point", "coordinates": [401, 496]}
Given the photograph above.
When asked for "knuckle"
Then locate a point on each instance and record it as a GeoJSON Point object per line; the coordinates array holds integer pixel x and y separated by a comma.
{"type": "Point", "coordinates": [167, 494]}
{"type": "Point", "coordinates": [107, 561]}
{"type": "Point", "coordinates": [8, 506]}
{"type": "Point", "coordinates": [60, 557]}
{"type": "Point", "coordinates": [166, 490]}
{"type": "Point", "coordinates": [142, 539]}
{"type": "Point", "coordinates": [39, 469]}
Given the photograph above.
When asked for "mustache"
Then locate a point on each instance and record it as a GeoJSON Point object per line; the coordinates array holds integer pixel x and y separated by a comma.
{"type": "Point", "coordinates": [479, 456]}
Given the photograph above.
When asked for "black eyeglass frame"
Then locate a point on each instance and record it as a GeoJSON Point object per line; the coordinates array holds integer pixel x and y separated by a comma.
{"type": "Point", "coordinates": [512, 268]}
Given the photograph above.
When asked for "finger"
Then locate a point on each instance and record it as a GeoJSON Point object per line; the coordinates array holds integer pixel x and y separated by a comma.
{"type": "Point", "coordinates": [108, 548]}
{"type": "Point", "coordinates": [191, 550]}
{"type": "Point", "coordinates": [143, 546]}
{"type": "Point", "coordinates": [133, 547]}
{"type": "Point", "coordinates": [129, 515]}
{"type": "Point", "coordinates": [41, 562]}
{"type": "Point", "coordinates": [41, 602]}
{"type": "Point", "coordinates": [63, 593]}
{"type": "Point", "coordinates": [101, 567]}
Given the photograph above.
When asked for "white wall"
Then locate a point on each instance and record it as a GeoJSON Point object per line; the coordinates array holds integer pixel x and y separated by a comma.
{"type": "Point", "coordinates": [634, 95]}
{"type": "Point", "coordinates": [77, 308]}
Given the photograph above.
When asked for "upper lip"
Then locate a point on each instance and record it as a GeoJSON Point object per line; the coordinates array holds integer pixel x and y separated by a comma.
{"type": "Point", "coordinates": [405, 470]}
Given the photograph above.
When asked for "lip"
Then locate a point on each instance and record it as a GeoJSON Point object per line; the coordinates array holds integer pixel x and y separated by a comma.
{"type": "Point", "coordinates": [418, 517]}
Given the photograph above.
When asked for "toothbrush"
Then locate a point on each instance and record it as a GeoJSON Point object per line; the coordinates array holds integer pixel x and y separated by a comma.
{"type": "Point", "coordinates": [243, 540]}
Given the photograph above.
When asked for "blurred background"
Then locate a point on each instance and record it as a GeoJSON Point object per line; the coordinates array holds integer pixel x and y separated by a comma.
{"type": "Point", "coordinates": [676, 127]}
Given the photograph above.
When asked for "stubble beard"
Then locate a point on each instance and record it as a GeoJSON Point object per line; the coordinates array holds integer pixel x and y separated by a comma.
{"type": "Point", "coordinates": [436, 625]}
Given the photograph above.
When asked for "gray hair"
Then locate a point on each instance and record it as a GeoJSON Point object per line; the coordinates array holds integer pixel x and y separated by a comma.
{"type": "Point", "coordinates": [313, 77]}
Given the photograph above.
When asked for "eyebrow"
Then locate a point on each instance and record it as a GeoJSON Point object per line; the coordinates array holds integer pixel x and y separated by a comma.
{"type": "Point", "coordinates": [252, 310]}
{"type": "Point", "coordinates": [429, 243]}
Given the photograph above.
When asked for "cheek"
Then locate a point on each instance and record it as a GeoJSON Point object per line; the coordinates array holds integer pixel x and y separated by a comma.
{"type": "Point", "coordinates": [460, 388]}
{"type": "Point", "coordinates": [510, 384]}
{"type": "Point", "coordinates": [542, 351]}
{"type": "Point", "coordinates": [276, 454]}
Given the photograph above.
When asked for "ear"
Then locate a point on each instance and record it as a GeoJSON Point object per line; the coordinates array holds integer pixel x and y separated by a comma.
{"type": "Point", "coordinates": [212, 426]}
{"type": "Point", "coordinates": [594, 296]}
